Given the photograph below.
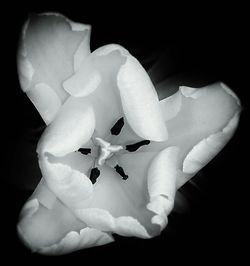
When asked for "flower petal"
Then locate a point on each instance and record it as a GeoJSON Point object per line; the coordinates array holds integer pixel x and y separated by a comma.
{"type": "Point", "coordinates": [103, 220]}
{"type": "Point", "coordinates": [140, 101]}
{"type": "Point", "coordinates": [207, 148]}
{"type": "Point", "coordinates": [114, 198]}
{"type": "Point", "coordinates": [125, 88]}
{"type": "Point", "coordinates": [171, 106]}
{"type": "Point", "coordinates": [162, 177]}
{"type": "Point", "coordinates": [85, 80]}
{"type": "Point", "coordinates": [72, 187]}
{"type": "Point", "coordinates": [45, 100]}
{"type": "Point", "coordinates": [51, 48]}
{"type": "Point", "coordinates": [39, 224]}
{"type": "Point", "coordinates": [73, 241]}
{"type": "Point", "coordinates": [72, 128]}
{"type": "Point", "coordinates": [208, 116]}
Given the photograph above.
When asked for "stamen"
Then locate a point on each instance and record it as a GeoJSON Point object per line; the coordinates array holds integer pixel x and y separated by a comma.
{"type": "Point", "coordinates": [116, 129]}
{"type": "Point", "coordinates": [94, 174]}
{"type": "Point", "coordinates": [85, 151]}
{"type": "Point", "coordinates": [136, 146]}
{"type": "Point", "coordinates": [121, 172]}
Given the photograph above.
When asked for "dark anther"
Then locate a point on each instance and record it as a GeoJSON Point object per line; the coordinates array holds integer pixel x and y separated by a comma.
{"type": "Point", "coordinates": [121, 172]}
{"type": "Point", "coordinates": [136, 146]}
{"type": "Point", "coordinates": [84, 151]}
{"type": "Point", "coordinates": [116, 129]}
{"type": "Point", "coordinates": [95, 172]}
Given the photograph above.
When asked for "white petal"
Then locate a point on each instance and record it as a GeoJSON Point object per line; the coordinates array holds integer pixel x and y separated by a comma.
{"type": "Point", "coordinates": [162, 178]}
{"type": "Point", "coordinates": [171, 105]}
{"type": "Point", "coordinates": [43, 195]}
{"type": "Point", "coordinates": [140, 101]}
{"type": "Point", "coordinates": [162, 173]}
{"type": "Point", "coordinates": [25, 72]}
{"type": "Point", "coordinates": [72, 187]}
{"type": "Point", "coordinates": [44, 225]}
{"type": "Point", "coordinates": [192, 92]}
{"type": "Point", "coordinates": [85, 80]}
{"type": "Point", "coordinates": [121, 198]}
{"type": "Point", "coordinates": [72, 128]}
{"type": "Point", "coordinates": [229, 91]}
{"type": "Point", "coordinates": [203, 113]}
{"type": "Point", "coordinates": [103, 220]}
{"type": "Point", "coordinates": [51, 48]}
{"type": "Point", "coordinates": [207, 148]}
{"type": "Point", "coordinates": [73, 241]}
{"type": "Point", "coordinates": [30, 208]}
{"type": "Point", "coordinates": [45, 100]}
{"type": "Point", "coordinates": [125, 89]}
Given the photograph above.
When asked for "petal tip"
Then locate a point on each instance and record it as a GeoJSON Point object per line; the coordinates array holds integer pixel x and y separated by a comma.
{"type": "Point", "coordinates": [230, 92]}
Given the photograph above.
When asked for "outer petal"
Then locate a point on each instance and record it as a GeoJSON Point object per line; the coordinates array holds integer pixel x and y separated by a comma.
{"type": "Point", "coordinates": [103, 220]}
{"type": "Point", "coordinates": [73, 241]}
{"type": "Point", "coordinates": [203, 152]}
{"type": "Point", "coordinates": [40, 224]}
{"type": "Point", "coordinates": [207, 117]}
{"type": "Point", "coordinates": [72, 128]}
{"type": "Point", "coordinates": [124, 84]}
{"type": "Point", "coordinates": [51, 48]}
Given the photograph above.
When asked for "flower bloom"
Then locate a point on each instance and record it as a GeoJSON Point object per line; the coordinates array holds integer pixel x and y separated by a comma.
{"type": "Point", "coordinates": [112, 155]}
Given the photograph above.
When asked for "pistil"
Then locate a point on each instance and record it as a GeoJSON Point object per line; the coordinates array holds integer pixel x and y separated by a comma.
{"type": "Point", "coordinates": [106, 150]}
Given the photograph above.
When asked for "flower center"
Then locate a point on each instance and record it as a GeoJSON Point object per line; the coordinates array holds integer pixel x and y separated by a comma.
{"type": "Point", "coordinates": [106, 150]}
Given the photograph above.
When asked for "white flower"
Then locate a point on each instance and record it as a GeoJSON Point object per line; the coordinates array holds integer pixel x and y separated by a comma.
{"type": "Point", "coordinates": [112, 155]}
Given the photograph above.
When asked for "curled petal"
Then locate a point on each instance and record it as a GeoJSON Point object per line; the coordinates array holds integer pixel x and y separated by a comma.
{"type": "Point", "coordinates": [162, 178]}
{"type": "Point", "coordinates": [51, 48]}
{"type": "Point", "coordinates": [72, 187]}
{"type": "Point", "coordinates": [73, 241]}
{"type": "Point", "coordinates": [72, 128]}
{"type": "Point", "coordinates": [39, 223]}
{"type": "Point", "coordinates": [162, 173]}
{"type": "Point", "coordinates": [207, 148]}
{"type": "Point", "coordinates": [140, 101]}
{"type": "Point", "coordinates": [103, 220]}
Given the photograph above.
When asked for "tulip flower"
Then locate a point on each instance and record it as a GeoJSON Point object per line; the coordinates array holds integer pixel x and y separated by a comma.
{"type": "Point", "coordinates": [112, 155]}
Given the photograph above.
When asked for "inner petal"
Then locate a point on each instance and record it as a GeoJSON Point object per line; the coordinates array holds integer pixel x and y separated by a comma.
{"type": "Point", "coordinates": [105, 99]}
{"type": "Point", "coordinates": [126, 197]}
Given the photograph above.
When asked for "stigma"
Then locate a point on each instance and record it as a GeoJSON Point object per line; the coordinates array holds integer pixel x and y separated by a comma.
{"type": "Point", "coordinates": [106, 150]}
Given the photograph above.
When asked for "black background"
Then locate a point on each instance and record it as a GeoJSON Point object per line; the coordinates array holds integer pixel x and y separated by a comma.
{"type": "Point", "coordinates": [211, 43]}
